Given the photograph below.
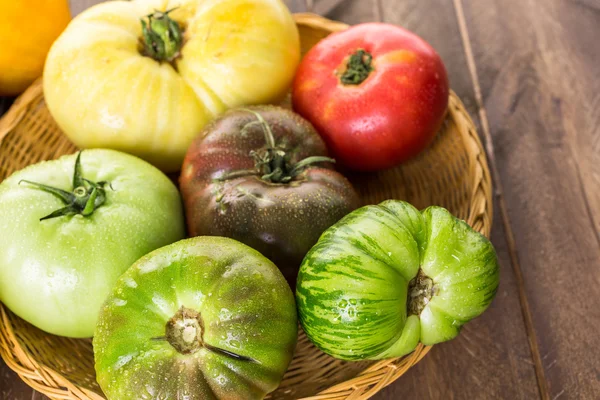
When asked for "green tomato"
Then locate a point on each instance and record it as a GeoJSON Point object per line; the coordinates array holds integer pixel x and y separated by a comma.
{"type": "Point", "coordinates": [203, 318]}
{"type": "Point", "coordinates": [70, 227]}
{"type": "Point", "coordinates": [387, 277]}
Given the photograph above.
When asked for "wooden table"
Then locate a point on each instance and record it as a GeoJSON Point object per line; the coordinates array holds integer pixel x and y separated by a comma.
{"type": "Point", "coordinates": [529, 73]}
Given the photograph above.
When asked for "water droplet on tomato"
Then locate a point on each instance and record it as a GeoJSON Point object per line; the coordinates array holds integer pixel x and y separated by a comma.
{"type": "Point", "coordinates": [120, 302]}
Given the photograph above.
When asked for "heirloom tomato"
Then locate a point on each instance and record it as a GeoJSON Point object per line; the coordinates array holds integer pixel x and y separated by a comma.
{"type": "Point", "coordinates": [261, 176]}
{"type": "Point", "coordinates": [70, 227]}
{"type": "Point", "coordinates": [387, 277]}
{"type": "Point", "coordinates": [145, 76]}
{"type": "Point", "coordinates": [376, 93]}
{"type": "Point", "coordinates": [202, 319]}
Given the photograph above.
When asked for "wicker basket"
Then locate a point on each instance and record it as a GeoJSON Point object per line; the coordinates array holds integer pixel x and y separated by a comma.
{"type": "Point", "coordinates": [452, 173]}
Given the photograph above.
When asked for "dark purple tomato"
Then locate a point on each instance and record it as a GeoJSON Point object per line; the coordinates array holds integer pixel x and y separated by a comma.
{"type": "Point", "coordinates": [261, 175]}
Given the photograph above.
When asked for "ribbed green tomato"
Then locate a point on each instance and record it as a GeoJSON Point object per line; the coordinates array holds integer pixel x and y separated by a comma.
{"type": "Point", "coordinates": [70, 227]}
{"type": "Point", "coordinates": [204, 318]}
{"type": "Point", "coordinates": [387, 277]}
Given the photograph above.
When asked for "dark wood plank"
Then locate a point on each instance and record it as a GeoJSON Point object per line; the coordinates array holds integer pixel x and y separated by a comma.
{"type": "Point", "coordinates": [13, 388]}
{"type": "Point", "coordinates": [538, 64]}
{"type": "Point", "coordinates": [435, 22]}
{"type": "Point", "coordinates": [77, 6]}
{"type": "Point", "coordinates": [297, 5]}
{"type": "Point", "coordinates": [352, 11]}
{"type": "Point", "coordinates": [491, 358]}
{"type": "Point", "coordinates": [326, 7]}
{"type": "Point", "coordinates": [501, 204]}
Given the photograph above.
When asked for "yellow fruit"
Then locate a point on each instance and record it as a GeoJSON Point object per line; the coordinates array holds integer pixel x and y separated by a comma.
{"type": "Point", "coordinates": [104, 89]}
{"type": "Point", "coordinates": [27, 30]}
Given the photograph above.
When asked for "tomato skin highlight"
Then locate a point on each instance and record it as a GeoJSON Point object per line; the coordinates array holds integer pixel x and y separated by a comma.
{"type": "Point", "coordinates": [389, 117]}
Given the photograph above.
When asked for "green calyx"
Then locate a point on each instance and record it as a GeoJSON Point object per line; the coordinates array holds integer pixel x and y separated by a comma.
{"type": "Point", "coordinates": [273, 163]}
{"type": "Point", "coordinates": [85, 198]}
{"type": "Point", "coordinates": [161, 36]}
{"type": "Point", "coordinates": [358, 68]}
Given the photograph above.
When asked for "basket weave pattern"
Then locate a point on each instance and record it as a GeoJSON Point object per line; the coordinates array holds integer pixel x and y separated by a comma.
{"type": "Point", "coordinates": [452, 173]}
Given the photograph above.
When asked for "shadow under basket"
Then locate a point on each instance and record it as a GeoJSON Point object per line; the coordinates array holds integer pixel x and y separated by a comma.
{"type": "Point", "coordinates": [452, 173]}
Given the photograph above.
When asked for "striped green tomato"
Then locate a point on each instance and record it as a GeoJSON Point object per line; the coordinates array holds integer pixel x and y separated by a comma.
{"type": "Point", "coordinates": [204, 318]}
{"type": "Point", "coordinates": [389, 276]}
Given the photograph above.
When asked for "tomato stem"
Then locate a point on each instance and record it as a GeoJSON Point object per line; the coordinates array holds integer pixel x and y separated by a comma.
{"type": "Point", "coordinates": [161, 36]}
{"type": "Point", "coordinates": [420, 291]}
{"type": "Point", "coordinates": [301, 165]}
{"type": "Point", "coordinates": [358, 68]}
{"type": "Point", "coordinates": [269, 138]}
{"type": "Point", "coordinates": [272, 163]}
{"type": "Point", "coordinates": [185, 332]}
{"type": "Point", "coordinates": [84, 199]}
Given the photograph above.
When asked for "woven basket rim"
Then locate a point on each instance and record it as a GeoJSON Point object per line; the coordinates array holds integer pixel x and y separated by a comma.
{"type": "Point", "coordinates": [380, 374]}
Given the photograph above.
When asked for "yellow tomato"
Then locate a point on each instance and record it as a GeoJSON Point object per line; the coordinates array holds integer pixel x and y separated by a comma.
{"type": "Point", "coordinates": [105, 89]}
{"type": "Point", "coordinates": [27, 30]}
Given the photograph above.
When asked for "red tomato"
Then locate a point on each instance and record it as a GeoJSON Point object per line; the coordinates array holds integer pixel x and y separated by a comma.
{"type": "Point", "coordinates": [377, 94]}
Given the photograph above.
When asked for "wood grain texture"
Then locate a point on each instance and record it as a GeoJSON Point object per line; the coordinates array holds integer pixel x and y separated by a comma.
{"type": "Point", "coordinates": [77, 6]}
{"type": "Point", "coordinates": [13, 388]}
{"type": "Point", "coordinates": [538, 64]}
{"type": "Point", "coordinates": [326, 7]}
{"type": "Point", "coordinates": [491, 358]}
{"type": "Point", "coordinates": [435, 22]}
{"type": "Point", "coordinates": [354, 12]}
